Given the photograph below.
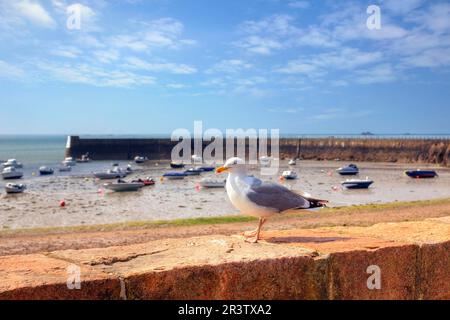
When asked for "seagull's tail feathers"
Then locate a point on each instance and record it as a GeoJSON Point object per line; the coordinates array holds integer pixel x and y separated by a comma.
{"type": "Point", "coordinates": [314, 202]}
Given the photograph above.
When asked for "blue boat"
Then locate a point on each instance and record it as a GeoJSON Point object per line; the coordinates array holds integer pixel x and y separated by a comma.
{"type": "Point", "coordinates": [193, 171]}
{"type": "Point", "coordinates": [174, 175]}
{"type": "Point", "coordinates": [207, 168]}
{"type": "Point", "coordinates": [421, 174]}
{"type": "Point", "coordinates": [350, 170]}
{"type": "Point", "coordinates": [357, 183]}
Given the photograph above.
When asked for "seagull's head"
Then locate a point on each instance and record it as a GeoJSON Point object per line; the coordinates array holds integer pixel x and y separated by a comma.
{"type": "Point", "coordinates": [234, 165]}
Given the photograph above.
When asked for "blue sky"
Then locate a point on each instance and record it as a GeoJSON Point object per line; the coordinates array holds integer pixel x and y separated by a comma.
{"type": "Point", "coordinates": [157, 65]}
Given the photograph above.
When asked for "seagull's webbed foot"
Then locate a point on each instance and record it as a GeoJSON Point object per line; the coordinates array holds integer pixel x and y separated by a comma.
{"type": "Point", "coordinates": [253, 236]}
{"type": "Point", "coordinates": [251, 239]}
{"type": "Point", "coordinates": [250, 234]}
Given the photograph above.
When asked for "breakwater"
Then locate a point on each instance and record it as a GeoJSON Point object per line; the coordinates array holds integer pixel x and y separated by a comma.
{"type": "Point", "coordinates": [432, 151]}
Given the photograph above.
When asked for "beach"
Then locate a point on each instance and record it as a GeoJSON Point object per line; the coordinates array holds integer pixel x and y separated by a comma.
{"type": "Point", "coordinates": [88, 203]}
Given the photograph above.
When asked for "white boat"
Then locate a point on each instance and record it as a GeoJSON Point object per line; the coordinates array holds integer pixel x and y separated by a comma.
{"type": "Point", "coordinates": [289, 175]}
{"type": "Point", "coordinates": [265, 161]}
{"type": "Point", "coordinates": [69, 162]}
{"type": "Point", "coordinates": [139, 159]}
{"type": "Point", "coordinates": [43, 171]}
{"type": "Point", "coordinates": [12, 163]}
{"type": "Point", "coordinates": [213, 183]}
{"type": "Point", "coordinates": [129, 169]}
{"type": "Point", "coordinates": [197, 159]}
{"type": "Point", "coordinates": [15, 188]}
{"type": "Point", "coordinates": [65, 168]}
{"type": "Point", "coordinates": [292, 162]}
{"type": "Point", "coordinates": [11, 173]}
{"type": "Point", "coordinates": [115, 173]}
{"type": "Point", "coordinates": [84, 158]}
{"type": "Point", "coordinates": [121, 186]}
{"type": "Point", "coordinates": [349, 170]}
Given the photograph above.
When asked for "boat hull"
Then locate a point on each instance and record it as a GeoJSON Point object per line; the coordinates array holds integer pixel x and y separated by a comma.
{"type": "Point", "coordinates": [11, 176]}
{"type": "Point", "coordinates": [124, 187]}
{"type": "Point", "coordinates": [422, 174]}
{"type": "Point", "coordinates": [357, 185]}
{"type": "Point", "coordinates": [177, 165]}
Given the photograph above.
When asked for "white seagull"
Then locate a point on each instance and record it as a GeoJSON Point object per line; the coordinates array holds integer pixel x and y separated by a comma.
{"type": "Point", "coordinates": [254, 197]}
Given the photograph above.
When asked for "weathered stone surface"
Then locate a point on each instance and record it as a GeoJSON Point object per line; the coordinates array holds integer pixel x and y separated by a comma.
{"type": "Point", "coordinates": [39, 277]}
{"type": "Point", "coordinates": [325, 263]}
{"type": "Point", "coordinates": [434, 271]}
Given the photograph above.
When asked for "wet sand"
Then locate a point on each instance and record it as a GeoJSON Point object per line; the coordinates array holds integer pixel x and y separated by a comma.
{"type": "Point", "coordinates": [39, 206]}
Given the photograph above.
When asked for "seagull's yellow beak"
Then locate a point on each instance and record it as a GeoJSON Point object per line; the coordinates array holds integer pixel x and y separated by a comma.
{"type": "Point", "coordinates": [221, 169]}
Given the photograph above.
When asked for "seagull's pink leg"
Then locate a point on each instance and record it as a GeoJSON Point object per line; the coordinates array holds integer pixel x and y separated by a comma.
{"type": "Point", "coordinates": [252, 233]}
{"type": "Point", "coordinates": [255, 238]}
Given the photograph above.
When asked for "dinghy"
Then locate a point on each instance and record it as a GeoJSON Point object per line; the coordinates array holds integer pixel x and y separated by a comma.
{"type": "Point", "coordinates": [213, 183]}
{"type": "Point", "coordinates": [84, 158]}
{"type": "Point", "coordinates": [349, 170]}
{"type": "Point", "coordinates": [114, 173]}
{"type": "Point", "coordinates": [289, 175]}
{"type": "Point", "coordinates": [421, 174]}
{"type": "Point", "coordinates": [12, 163]}
{"type": "Point", "coordinates": [207, 168]}
{"type": "Point", "coordinates": [146, 182]}
{"type": "Point", "coordinates": [193, 171]}
{"type": "Point", "coordinates": [65, 169]}
{"type": "Point", "coordinates": [11, 173]}
{"type": "Point", "coordinates": [45, 171]}
{"type": "Point", "coordinates": [177, 165]}
{"type": "Point", "coordinates": [292, 162]}
{"type": "Point", "coordinates": [123, 186]}
{"type": "Point", "coordinates": [15, 188]}
{"type": "Point", "coordinates": [174, 175]}
{"type": "Point", "coordinates": [139, 159]}
{"type": "Point", "coordinates": [69, 162]}
{"type": "Point", "coordinates": [357, 183]}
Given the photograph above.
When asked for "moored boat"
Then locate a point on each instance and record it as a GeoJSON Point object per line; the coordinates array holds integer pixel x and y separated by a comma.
{"type": "Point", "coordinates": [349, 170]}
{"type": "Point", "coordinates": [122, 186]}
{"type": "Point", "coordinates": [292, 162]}
{"type": "Point", "coordinates": [193, 171]}
{"type": "Point", "coordinates": [146, 182]}
{"type": "Point", "coordinates": [65, 168]}
{"type": "Point", "coordinates": [177, 165]}
{"type": "Point", "coordinates": [69, 162]}
{"type": "Point", "coordinates": [12, 163]}
{"type": "Point", "coordinates": [84, 158]}
{"type": "Point", "coordinates": [174, 175]}
{"type": "Point", "coordinates": [421, 174]}
{"type": "Point", "coordinates": [289, 175]}
{"type": "Point", "coordinates": [357, 183]}
{"type": "Point", "coordinates": [45, 171]}
{"type": "Point", "coordinates": [213, 183]}
{"type": "Point", "coordinates": [140, 160]}
{"type": "Point", "coordinates": [11, 173]}
{"type": "Point", "coordinates": [207, 168]}
{"type": "Point", "coordinates": [114, 173]}
{"type": "Point", "coordinates": [15, 188]}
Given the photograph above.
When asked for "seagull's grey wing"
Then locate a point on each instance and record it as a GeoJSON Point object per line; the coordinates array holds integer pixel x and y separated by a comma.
{"type": "Point", "coordinates": [275, 196]}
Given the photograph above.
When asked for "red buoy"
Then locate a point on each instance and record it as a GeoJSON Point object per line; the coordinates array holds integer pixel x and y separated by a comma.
{"type": "Point", "coordinates": [62, 203]}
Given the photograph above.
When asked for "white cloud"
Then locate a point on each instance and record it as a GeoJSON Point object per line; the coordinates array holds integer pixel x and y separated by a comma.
{"type": "Point", "coordinates": [259, 45]}
{"type": "Point", "coordinates": [8, 70]}
{"type": "Point", "coordinates": [176, 86]}
{"type": "Point", "coordinates": [91, 75]}
{"type": "Point", "coordinates": [159, 33]}
{"type": "Point", "coordinates": [32, 11]}
{"type": "Point", "coordinates": [321, 64]}
{"type": "Point", "coordinates": [378, 74]}
{"type": "Point", "coordinates": [106, 56]}
{"type": "Point", "coordinates": [229, 66]}
{"type": "Point", "coordinates": [66, 51]}
{"type": "Point", "coordinates": [139, 64]}
{"type": "Point", "coordinates": [402, 7]}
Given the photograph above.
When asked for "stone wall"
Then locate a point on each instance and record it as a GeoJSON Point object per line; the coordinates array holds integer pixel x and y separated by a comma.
{"type": "Point", "coordinates": [370, 149]}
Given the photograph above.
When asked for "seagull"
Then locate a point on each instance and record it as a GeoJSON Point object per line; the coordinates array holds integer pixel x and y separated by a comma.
{"type": "Point", "coordinates": [254, 197]}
